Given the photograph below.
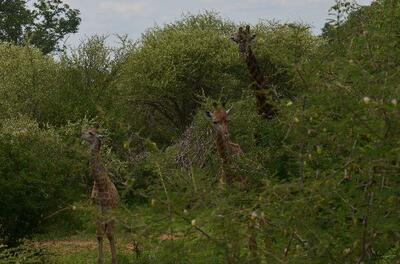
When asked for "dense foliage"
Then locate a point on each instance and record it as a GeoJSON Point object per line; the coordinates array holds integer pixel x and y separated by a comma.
{"type": "Point", "coordinates": [35, 182]}
{"type": "Point", "coordinates": [321, 179]}
{"type": "Point", "coordinates": [44, 25]}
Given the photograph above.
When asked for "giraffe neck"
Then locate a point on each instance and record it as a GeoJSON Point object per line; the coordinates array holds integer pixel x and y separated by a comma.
{"type": "Point", "coordinates": [95, 148]}
{"type": "Point", "coordinates": [104, 192]}
{"type": "Point", "coordinates": [254, 69]}
{"type": "Point", "coordinates": [264, 107]}
{"type": "Point", "coordinates": [98, 171]}
{"type": "Point", "coordinates": [222, 147]}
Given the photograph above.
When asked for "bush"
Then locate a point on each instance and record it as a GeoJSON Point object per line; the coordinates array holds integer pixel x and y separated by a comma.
{"type": "Point", "coordinates": [24, 253]}
{"type": "Point", "coordinates": [322, 181]}
{"type": "Point", "coordinates": [27, 81]}
{"type": "Point", "coordinates": [40, 174]}
{"type": "Point", "coordinates": [170, 66]}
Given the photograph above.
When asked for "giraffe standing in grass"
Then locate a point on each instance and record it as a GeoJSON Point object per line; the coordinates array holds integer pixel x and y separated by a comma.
{"type": "Point", "coordinates": [104, 195]}
{"type": "Point", "coordinates": [226, 148]}
{"type": "Point", "coordinates": [243, 38]}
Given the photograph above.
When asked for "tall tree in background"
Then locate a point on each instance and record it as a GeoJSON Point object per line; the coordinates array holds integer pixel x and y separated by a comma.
{"type": "Point", "coordinates": [44, 25]}
{"type": "Point", "coordinates": [13, 17]}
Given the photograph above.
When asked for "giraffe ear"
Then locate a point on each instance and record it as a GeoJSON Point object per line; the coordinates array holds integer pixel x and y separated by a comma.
{"type": "Point", "coordinates": [253, 36]}
{"type": "Point", "coordinates": [208, 114]}
{"type": "Point", "coordinates": [228, 111]}
{"type": "Point", "coordinates": [100, 136]}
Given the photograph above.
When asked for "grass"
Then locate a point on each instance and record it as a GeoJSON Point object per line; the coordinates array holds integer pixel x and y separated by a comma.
{"type": "Point", "coordinates": [142, 225]}
{"type": "Point", "coordinates": [76, 251]}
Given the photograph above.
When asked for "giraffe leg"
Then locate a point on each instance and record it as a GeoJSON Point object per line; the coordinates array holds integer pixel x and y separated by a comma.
{"type": "Point", "coordinates": [100, 235]}
{"type": "Point", "coordinates": [110, 236]}
{"type": "Point", "coordinates": [222, 178]}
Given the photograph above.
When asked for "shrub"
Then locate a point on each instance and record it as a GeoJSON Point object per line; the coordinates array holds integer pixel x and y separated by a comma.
{"type": "Point", "coordinates": [27, 81]}
{"type": "Point", "coordinates": [170, 66]}
{"type": "Point", "coordinates": [24, 253]}
{"type": "Point", "coordinates": [40, 174]}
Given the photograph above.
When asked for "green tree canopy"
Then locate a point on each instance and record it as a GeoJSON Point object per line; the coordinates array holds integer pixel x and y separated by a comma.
{"type": "Point", "coordinates": [44, 25]}
{"type": "Point", "coordinates": [163, 75]}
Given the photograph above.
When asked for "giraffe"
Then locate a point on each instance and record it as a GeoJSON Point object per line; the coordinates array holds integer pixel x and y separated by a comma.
{"type": "Point", "coordinates": [104, 195]}
{"type": "Point", "coordinates": [243, 38]}
{"type": "Point", "coordinates": [225, 148]}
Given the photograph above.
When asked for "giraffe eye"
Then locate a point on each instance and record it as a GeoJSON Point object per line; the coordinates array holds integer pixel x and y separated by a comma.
{"type": "Point", "coordinates": [215, 122]}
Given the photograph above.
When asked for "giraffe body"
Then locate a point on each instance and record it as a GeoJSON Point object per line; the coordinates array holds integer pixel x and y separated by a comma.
{"type": "Point", "coordinates": [263, 99]}
{"type": "Point", "coordinates": [104, 195]}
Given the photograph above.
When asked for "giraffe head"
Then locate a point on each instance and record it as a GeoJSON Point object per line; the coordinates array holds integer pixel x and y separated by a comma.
{"type": "Point", "coordinates": [243, 38]}
{"type": "Point", "coordinates": [91, 136]}
{"type": "Point", "coordinates": [219, 119]}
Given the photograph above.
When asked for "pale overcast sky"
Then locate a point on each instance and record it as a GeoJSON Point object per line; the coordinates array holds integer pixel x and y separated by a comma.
{"type": "Point", "coordinates": [135, 16]}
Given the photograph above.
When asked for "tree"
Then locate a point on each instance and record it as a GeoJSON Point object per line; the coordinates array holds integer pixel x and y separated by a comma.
{"type": "Point", "coordinates": [162, 77]}
{"type": "Point", "coordinates": [43, 26]}
{"type": "Point", "coordinates": [13, 17]}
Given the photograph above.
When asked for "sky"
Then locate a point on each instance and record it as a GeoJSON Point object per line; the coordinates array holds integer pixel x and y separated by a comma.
{"type": "Point", "coordinates": [133, 17]}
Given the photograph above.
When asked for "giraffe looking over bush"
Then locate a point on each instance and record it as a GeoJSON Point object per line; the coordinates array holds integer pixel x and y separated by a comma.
{"type": "Point", "coordinates": [225, 147]}
{"type": "Point", "coordinates": [244, 38]}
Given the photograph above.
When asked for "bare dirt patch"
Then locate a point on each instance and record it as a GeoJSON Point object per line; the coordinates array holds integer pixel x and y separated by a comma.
{"type": "Point", "coordinates": [66, 246]}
